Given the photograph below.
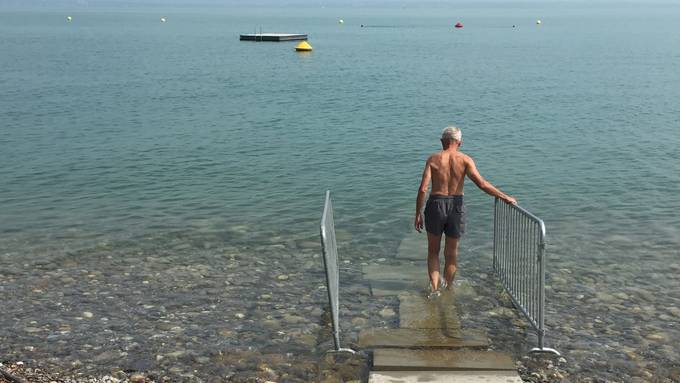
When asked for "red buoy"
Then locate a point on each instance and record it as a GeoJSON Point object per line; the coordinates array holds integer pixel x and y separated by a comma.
{"type": "Point", "coordinates": [458, 25]}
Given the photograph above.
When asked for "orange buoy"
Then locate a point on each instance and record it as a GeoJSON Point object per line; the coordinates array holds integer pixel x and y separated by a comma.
{"type": "Point", "coordinates": [458, 25]}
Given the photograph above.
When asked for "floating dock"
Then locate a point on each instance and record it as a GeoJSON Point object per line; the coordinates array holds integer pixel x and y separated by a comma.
{"type": "Point", "coordinates": [273, 37]}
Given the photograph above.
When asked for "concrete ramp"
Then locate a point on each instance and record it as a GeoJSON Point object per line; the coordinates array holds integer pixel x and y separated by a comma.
{"type": "Point", "coordinates": [431, 345]}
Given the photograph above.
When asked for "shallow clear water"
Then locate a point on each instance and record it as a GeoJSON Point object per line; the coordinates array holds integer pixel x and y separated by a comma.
{"type": "Point", "coordinates": [117, 127]}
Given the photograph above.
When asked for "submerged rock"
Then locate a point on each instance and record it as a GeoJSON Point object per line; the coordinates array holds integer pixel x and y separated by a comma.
{"type": "Point", "coordinates": [387, 312]}
{"type": "Point", "coordinates": [359, 321]}
{"type": "Point", "coordinates": [659, 336]}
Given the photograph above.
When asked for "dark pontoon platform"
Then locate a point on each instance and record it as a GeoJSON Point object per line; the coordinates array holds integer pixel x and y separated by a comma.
{"type": "Point", "coordinates": [273, 37]}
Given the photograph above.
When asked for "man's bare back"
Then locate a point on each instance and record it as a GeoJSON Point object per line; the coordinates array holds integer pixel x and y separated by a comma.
{"type": "Point", "coordinates": [447, 170]}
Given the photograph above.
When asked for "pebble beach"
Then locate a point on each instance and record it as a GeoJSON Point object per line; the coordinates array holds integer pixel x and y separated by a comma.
{"type": "Point", "coordinates": [191, 308]}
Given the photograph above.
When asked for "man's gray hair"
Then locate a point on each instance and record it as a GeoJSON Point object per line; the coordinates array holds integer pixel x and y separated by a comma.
{"type": "Point", "coordinates": [451, 133]}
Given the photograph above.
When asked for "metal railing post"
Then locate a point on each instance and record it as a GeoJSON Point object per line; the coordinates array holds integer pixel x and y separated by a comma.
{"type": "Point", "coordinates": [541, 316]}
{"type": "Point", "coordinates": [495, 233]}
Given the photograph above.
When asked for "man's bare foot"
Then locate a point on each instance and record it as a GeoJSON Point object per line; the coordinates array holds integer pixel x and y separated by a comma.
{"type": "Point", "coordinates": [449, 286]}
{"type": "Point", "coordinates": [434, 294]}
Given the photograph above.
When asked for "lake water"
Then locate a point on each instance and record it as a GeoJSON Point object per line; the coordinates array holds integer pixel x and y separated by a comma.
{"type": "Point", "coordinates": [137, 154]}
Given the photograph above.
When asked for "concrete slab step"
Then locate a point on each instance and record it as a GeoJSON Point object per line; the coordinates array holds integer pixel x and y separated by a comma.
{"type": "Point", "coordinates": [422, 338]}
{"type": "Point", "coordinates": [413, 247]}
{"type": "Point", "coordinates": [416, 311]}
{"type": "Point", "coordinates": [378, 272]}
{"type": "Point", "coordinates": [381, 288]}
{"type": "Point", "coordinates": [444, 377]}
{"type": "Point", "coordinates": [385, 287]}
{"type": "Point", "coordinates": [441, 360]}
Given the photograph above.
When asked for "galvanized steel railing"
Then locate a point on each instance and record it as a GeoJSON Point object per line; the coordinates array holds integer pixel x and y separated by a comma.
{"type": "Point", "coordinates": [330, 261]}
{"type": "Point", "coordinates": [519, 263]}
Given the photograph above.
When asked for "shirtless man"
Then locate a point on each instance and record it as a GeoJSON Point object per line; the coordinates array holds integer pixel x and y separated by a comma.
{"type": "Point", "coordinates": [444, 211]}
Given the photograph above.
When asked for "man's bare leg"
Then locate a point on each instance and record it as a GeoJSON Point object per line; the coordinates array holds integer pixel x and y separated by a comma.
{"type": "Point", "coordinates": [450, 259]}
{"type": "Point", "coordinates": [433, 244]}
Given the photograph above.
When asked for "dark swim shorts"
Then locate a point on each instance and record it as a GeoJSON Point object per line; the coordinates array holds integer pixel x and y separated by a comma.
{"type": "Point", "coordinates": [445, 214]}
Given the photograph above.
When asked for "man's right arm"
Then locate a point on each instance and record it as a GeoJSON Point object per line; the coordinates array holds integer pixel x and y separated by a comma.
{"type": "Point", "coordinates": [472, 173]}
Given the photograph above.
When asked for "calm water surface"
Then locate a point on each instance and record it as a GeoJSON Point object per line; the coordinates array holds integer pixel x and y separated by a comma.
{"type": "Point", "coordinates": [117, 127]}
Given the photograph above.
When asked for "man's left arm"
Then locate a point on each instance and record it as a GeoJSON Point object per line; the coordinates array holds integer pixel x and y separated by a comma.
{"type": "Point", "coordinates": [420, 200]}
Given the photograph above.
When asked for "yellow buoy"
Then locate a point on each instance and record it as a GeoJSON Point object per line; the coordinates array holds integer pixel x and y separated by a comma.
{"type": "Point", "coordinates": [341, 21]}
{"type": "Point", "coordinates": [303, 47]}
{"type": "Point", "coordinates": [538, 22]}
{"type": "Point", "coordinates": [69, 18]}
{"type": "Point", "coordinates": [163, 19]}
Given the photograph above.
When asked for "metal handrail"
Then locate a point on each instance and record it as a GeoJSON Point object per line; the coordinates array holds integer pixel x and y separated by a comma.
{"type": "Point", "coordinates": [519, 263]}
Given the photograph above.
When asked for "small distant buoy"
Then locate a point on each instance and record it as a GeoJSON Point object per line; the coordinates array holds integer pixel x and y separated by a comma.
{"type": "Point", "coordinates": [458, 25]}
{"type": "Point", "coordinates": [538, 22]}
{"type": "Point", "coordinates": [163, 19]}
{"type": "Point", "coordinates": [303, 47]}
{"type": "Point", "coordinates": [69, 18]}
{"type": "Point", "coordinates": [341, 21]}
{"type": "Point", "coordinates": [513, 25]}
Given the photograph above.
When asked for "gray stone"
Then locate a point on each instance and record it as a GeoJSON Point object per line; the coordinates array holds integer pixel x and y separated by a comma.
{"type": "Point", "coordinates": [309, 245]}
{"type": "Point", "coordinates": [293, 319]}
{"type": "Point", "coordinates": [675, 311]}
{"type": "Point", "coordinates": [306, 340]}
{"type": "Point", "coordinates": [503, 312]}
{"type": "Point", "coordinates": [106, 356]}
{"type": "Point", "coordinates": [387, 312]}
{"type": "Point", "coordinates": [359, 321]}
{"type": "Point", "coordinates": [657, 337]}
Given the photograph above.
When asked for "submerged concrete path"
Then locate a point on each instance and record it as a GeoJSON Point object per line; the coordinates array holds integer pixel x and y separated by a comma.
{"type": "Point", "coordinates": [430, 344]}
